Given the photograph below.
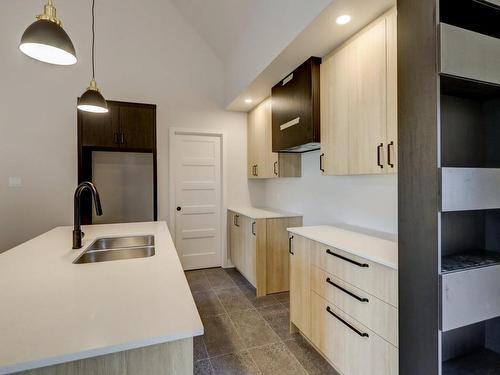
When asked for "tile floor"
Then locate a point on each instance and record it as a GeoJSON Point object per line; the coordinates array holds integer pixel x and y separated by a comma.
{"type": "Point", "coordinates": [244, 334]}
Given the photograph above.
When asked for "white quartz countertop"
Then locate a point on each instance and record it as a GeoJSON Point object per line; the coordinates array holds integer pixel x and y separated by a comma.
{"type": "Point", "coordinates": [370, 247]}
{"type": "Point", "coordinates": [53, 311]}
{"type": "Point", "coordinates": [262, 213]}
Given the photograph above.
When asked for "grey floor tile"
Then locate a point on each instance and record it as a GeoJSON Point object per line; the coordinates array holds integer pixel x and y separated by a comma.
{"type": "Point", "coordinates": [219, 279]}
{"type": "Point", "coordinates": [197, 280]}
{"type": "Point", "coordinates": [283, 297]}
{"type": "Point", "coordinates": [278, 317]}
{"type": "Point", "coordinates": [207, 303]}
{"type": "Point", "coordinates": [233, 299]}
{"type": "Point", "coordinates": [236, 276]}
{"type": "Point", "coordinates": [276, 359]}
{"type": "Point", "coordinates": [249, 292]}
{"type": "Point", "coordinates": [203, 368]}
{"type": "Point", "coordinates": [309, 358]}
{"type": "Point", "coordinates": [253, 329]}
{"type": "Point", "coordinates": [199, 349]}
{"type": "Point", "coordinates": [234, 364]}
{"type": "Point", "coordinates": [220, 336]}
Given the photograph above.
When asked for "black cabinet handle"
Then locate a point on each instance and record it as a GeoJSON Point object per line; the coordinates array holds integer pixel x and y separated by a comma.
{"type": "Point", "coordinates": [389, 154]}
{"type": "Point", "coordinates": [253, 170]}
{"type": "Point", "coordinates": [361, 299]}
{"type": "Point", "coordinates": [363, 265]}
{"type": "Point", "coordinates": [321, 162]}
{"type": "Point", "coordinates": [379, 158]}
{"type": "Point", "coordinates": [236, 220]}
{"type": "Point", "coordinates": [257, 170]}
{"type": "Point", "coordinates": [253, 228]}
{"type": "Point", "coordinates": [362, 334]}
{"type": "Point", "coordinates": [290, 245]}
{"type": "Point", "coordinates": [275, 166]}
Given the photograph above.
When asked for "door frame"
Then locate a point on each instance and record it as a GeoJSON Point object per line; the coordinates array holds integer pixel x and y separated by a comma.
{"type": "Point", "coordinates": [171, 183]}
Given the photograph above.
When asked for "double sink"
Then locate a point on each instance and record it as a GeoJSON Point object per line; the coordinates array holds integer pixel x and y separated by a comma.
{"type": "Point", "coordinates": [118, 248]}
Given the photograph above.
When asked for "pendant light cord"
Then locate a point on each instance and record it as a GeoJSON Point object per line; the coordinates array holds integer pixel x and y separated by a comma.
{"type": "Point", "coordinates": [93, 39]}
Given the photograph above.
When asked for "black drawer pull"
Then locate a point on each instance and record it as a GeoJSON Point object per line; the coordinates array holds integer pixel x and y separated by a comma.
{"type": "Point", "coordinates": [363, 265]}
{"type": "Point", "coordinates": [361, 299]}
{"type": "Point", "coordinates": [362, 334]}
{"type": "Point", "coordinates": [253, 227]}
{"type": "Point", "coordinates": [236, 220]}
{"type": "Point", "coordinates": [290, 245]}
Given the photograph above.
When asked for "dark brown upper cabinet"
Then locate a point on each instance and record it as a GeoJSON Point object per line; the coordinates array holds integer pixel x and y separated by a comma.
{"type": "Point", "coordinates": [127, 126]}
{"type": "Point", "coordinates": [295, 109]}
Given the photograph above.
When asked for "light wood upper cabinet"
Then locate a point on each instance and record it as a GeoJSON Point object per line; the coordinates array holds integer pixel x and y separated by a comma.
{"type": "Point", "coordinates": [359, 103]}
{"type": "Point", "coordinates": [262, 162]}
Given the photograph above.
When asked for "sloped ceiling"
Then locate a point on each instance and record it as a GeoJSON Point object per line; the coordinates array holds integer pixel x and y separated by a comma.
{"type": "Point", "coordinates": [220, 22]}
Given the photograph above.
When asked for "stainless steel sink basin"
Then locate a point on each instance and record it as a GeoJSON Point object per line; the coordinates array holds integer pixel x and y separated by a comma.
{"type": "Point", "coordinates": [117, 248]}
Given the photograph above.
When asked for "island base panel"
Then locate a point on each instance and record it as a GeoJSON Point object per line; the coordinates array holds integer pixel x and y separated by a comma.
{"type": "Point", "coordinates": [172, 358]}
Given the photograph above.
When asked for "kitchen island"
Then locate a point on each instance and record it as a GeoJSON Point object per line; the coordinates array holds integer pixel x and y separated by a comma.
{"type": "Point", "coordinates": [131, 316]}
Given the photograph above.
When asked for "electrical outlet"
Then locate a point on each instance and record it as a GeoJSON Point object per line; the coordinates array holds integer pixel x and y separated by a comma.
{"type": "Point", "coordinates": [15, 181]}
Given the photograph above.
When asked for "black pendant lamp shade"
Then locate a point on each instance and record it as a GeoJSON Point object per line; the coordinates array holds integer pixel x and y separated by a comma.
{"type": "Point", "coordinates": [45, 40]}
{"type": "Point", "coordinates": [92, 100]}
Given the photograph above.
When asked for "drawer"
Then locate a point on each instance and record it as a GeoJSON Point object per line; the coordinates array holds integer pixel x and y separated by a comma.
{"type": "Point", "coordinates": [469, 54]}
{"type": "Point", "coordinates": [351, 347]}
{"type": "Point", "coordinates": [376, 279]}
{"type": "Point", "coordinates": [372, 312]}
{"type": "Point", "coordinates": [470, 296]}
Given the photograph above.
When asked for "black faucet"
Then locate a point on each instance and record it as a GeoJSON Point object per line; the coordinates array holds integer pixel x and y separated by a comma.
{"type": "Point", "coordinates": [77, 231]}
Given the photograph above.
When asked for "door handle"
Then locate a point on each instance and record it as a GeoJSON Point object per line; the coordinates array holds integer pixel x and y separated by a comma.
{"type": "Point", "coordinates": [253, 228]}
{"type": "Point", "coordinates": [362, 334]}
{"type": "Point", "coordinates": [379, 157]}
{"type": "Point", "coordinates": [362, 265]}
{"type": "Point", "coordinates": [290, 245]}
{"type": "Point", "coordinates": [389, 154]}
{"type": "Point", "coordinates": [321, 162]}
{"type": "Point", "coordinates": [275, 165]}
{"type": "Point", "coordinates": [179, 208]}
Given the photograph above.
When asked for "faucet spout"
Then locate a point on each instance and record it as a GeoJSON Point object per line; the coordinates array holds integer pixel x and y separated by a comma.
{"type": "Point", "coordinates": [77, 231]}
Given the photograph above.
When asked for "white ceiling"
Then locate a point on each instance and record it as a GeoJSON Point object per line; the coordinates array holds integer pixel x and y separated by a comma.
{"type": "Point", "coordinates": [221, 23]}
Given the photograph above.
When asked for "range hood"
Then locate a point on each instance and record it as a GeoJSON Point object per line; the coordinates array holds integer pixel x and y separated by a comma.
{"type": "Point", "coordinates": [295, 109]}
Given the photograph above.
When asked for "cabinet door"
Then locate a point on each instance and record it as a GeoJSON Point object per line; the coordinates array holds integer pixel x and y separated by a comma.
{"type": "Point", "coordinates": [137, 125]}
{"type": "Point", "coordinates": [100, 129]}
{"type": "Point", "coordinates": [262, 162]}
{"type": "Point", "coordinates": [335, 85]}
{"type": "Point", "coordinates": [300, 290]}
{"type": "Point", "coordinates": [248, 226]}
{"type": "Point", "coordinates": [368, 101]}
{"type": "Point", "coordinates": [392, 92]}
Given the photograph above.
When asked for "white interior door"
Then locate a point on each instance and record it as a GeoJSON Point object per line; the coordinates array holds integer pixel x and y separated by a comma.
{"type": "Point", "coordinates": [197, 174]}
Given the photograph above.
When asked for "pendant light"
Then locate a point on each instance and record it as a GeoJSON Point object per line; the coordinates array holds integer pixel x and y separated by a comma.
{"type": "Point", "coordinates": [45, 39]}
{"type": "Point", "coordinates": [92, 100]}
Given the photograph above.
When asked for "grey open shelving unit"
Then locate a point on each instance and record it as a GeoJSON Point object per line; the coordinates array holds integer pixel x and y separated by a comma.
{"type": "Point", "coordinates": [449, 186]}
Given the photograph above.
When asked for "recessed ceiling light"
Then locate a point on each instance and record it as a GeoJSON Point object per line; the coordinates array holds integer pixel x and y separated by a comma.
{"type": "Point", "coordinates": [248, 100]}
{"type": "Point", "coordinates": [342, 20]}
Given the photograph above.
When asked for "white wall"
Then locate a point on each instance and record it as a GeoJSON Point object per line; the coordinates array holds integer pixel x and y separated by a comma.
{"type": "Point", "coordinates": [146, 52]}
{"type": "Point", "coordinates": [363, 201]}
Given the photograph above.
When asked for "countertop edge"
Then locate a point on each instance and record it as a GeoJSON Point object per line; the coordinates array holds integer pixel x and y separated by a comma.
{"type": "Point", "coordinates": [273, 213]}
{"type": "Point", "coordinates": [298, 232]}
{"type": "Point", "coordinates": [91, 353]}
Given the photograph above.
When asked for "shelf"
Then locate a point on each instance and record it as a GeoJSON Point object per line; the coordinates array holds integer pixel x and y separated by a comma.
{"type": "Point", "coordinates": [468, 261]}
{"type": "Point", "coordinates": [476, 15]}
{"type": "Point", "coordinates": [483, 361]}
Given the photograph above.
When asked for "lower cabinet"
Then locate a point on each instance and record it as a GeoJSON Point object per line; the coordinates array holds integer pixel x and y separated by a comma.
{"type": "Point", "coordinates": [335, 309]}
{"type": "Point", "coordinates": [258, 248]}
